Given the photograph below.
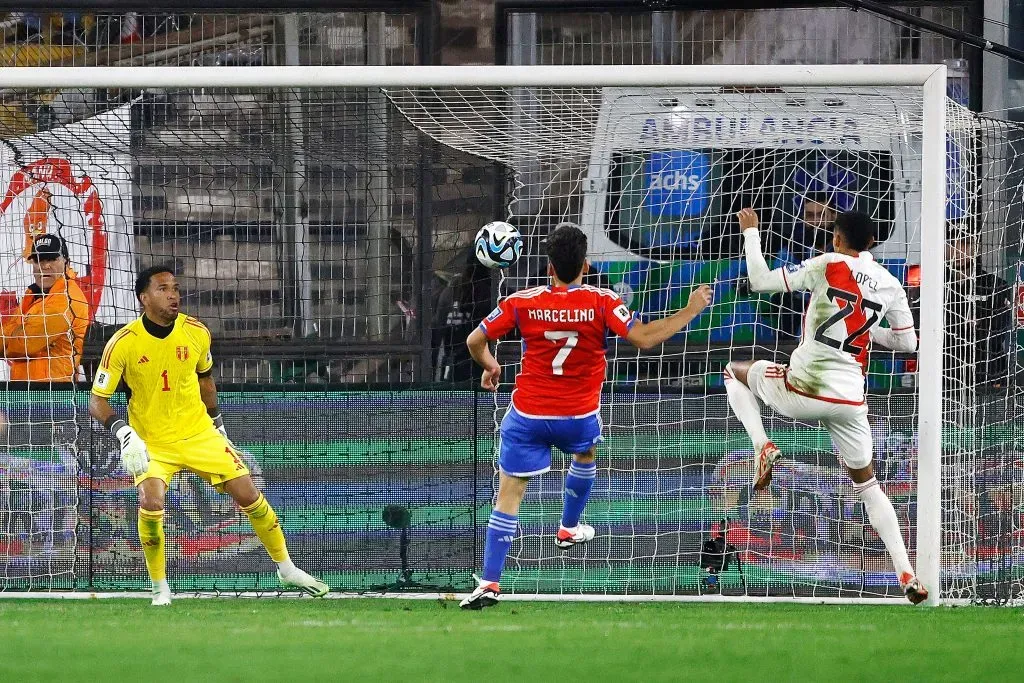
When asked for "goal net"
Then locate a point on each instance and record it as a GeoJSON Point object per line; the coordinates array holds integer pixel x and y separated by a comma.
{"type": "Point", "coordinates": [654, 176]}
{"type": "Point", "coordinates": [292, 219]}
{"type": "Point", "coordinates": [311, 214]}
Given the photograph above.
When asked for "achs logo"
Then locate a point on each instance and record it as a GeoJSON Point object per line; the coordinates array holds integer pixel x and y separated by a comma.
{"type": "Point", "coordinates": [182, 353]}
{"type": "Point", "coordinates": [676, 183]}
{"type": "Point", "coordinates": [494, 315]}
{"type": "Point", "coordinates": [143, 360]}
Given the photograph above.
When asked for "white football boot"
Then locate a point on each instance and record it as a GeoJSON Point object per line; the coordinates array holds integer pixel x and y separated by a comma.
{"type": "Point", "coordinates": [486, 594]}
{"type": "Point", "coordinates": [567, 538]}
{"type": "Point", "coordinates": [161, 594]}
{"type": "Point", "coordinates": [310, 585]}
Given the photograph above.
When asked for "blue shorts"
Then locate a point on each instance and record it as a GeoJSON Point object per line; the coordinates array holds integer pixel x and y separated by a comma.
{"type": "Point", "coordinates": [526, 442]}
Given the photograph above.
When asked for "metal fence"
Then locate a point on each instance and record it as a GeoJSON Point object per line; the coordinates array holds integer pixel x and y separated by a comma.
{"type": "Point", "coordinates": [723, 33]}
{"type": "Point", "coordinates": [319, 237]}
{"type": "Point", "coordinates": [540, 32]}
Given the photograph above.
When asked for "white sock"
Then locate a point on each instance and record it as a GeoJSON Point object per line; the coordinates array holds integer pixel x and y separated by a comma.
{"type": "Point", "coordinates": [747, 408]}
{"type": "Point", "coordinates": [286, 567]}
{"type": "Point", "coordinates": [883, 518]}
{"type": "Point", "coordinates": [161, 586]}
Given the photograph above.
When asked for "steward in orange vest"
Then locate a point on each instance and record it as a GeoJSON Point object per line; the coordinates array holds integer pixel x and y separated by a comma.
{"type": "Point", "coordinates": [43, 339]}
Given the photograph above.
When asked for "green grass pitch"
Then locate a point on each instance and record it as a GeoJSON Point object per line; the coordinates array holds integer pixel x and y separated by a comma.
{"type": "Point", "coordinates": [250, 640]}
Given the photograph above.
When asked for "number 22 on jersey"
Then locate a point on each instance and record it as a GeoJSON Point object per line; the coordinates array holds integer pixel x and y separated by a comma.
{"type": "Point", "coordinates": [848, 306]}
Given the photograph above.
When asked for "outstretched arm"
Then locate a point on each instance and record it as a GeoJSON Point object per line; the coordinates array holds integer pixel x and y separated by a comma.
{"type": "Point", "coordinates": [761, 278]}
{"type": "Point", "coordinates": [648, 335]}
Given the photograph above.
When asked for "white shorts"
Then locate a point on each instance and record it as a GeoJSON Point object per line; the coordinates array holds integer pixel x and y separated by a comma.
{"type": "Point", "coordinates": [847, 423]}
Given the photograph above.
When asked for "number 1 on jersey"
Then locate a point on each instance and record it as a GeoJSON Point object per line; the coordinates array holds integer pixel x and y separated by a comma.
{"type": "Point", "coordinates": [570, 343]}
{"type": "Point", "coordinates": [167, 384]}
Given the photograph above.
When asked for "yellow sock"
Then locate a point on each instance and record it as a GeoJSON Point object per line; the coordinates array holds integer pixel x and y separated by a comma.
{"type": "Point", "coordinates": [151, 535]}
{"type": "Point", "coordinates": [264, 522]}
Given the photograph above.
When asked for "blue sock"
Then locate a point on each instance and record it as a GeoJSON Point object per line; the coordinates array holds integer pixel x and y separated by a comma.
{"type": "Point", "coordinates": [501, 529]}
{"type": "Point", "coordinates": [578, 483]}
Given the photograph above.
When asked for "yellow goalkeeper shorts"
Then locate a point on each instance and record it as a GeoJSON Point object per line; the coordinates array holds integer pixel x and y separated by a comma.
{"type": "Point", "coordinates": [208, 454]}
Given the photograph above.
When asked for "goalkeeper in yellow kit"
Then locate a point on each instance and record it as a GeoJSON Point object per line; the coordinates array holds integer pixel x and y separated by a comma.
{"type": "Point", "coordinates": [164, 359]}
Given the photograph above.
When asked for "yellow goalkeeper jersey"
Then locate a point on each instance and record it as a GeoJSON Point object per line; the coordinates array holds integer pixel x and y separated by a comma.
{"type": "Point", "coordinates": [164, 405]}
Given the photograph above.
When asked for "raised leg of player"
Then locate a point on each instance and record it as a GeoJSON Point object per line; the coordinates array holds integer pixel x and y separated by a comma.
{"type": "Point", "coordinates": [267, 527]}
{"type": "Point", "coordinates": [744, 404]}
{"type": "Point", "coordinates": [501, 530]}
{"type": "Point", "coordinates": [151, 536]}
{"type": "Point", "coordinates": [747, 409]}
{"type": "Point", "coordinates": [578, 483]}
{"type": "Point", "coordinates": [883, 519]}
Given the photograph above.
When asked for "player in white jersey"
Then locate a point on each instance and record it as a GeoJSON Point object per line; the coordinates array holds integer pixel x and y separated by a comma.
{"type": "Point", "coordinates": [850, 296]}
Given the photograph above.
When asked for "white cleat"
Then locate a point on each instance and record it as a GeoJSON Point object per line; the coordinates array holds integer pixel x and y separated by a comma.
{"type": "Point", "coordinates": [161, 594]}
{"type": "Point", "coordinates": [567, 538]}
{"type": "Point", "coordinates": [486, 594]}
{"type": "Point", "coordinates": [765, 459]}
{"type": "Point", "coordinates": [310, 585]}
{"type": "Point", "coordinates": [913, 589]}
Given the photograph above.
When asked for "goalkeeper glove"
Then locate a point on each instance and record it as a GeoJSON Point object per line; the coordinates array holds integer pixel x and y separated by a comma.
{"type": "Point", "coordinates": [134, 455]}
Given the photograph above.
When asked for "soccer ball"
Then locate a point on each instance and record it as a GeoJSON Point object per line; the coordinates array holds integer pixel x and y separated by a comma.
{"type": "Point", "coordinates": [498, 245]}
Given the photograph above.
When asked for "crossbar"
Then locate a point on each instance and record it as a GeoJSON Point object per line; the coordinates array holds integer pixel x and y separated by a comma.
{"type": "Point", "coordinates": [462, 76]}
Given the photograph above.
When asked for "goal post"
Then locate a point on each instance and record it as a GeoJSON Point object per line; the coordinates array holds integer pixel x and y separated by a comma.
{"type": "Point", "coordinates": [549, 126]}
{"type": "Point", "coordinates": [930, 334]}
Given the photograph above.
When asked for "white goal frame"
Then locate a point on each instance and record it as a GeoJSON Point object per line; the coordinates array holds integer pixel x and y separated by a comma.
{"type": "Point", "coordinates": [930, 78]}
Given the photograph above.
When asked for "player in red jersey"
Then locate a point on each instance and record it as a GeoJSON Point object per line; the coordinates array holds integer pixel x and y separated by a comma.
{"type": "Point", "coordinates": [556, 402]}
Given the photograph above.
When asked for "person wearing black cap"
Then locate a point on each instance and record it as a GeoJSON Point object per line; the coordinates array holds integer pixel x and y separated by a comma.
{"type": "Point", "coordinates": [42, 340]}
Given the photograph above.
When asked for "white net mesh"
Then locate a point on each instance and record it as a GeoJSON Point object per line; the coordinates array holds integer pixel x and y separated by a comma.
{"type": "Point", "coordinates": [655, 176]}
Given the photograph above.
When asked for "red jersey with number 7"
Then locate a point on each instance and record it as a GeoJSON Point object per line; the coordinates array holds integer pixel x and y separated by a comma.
{"type": "Point", "coordinates": [565, 333]}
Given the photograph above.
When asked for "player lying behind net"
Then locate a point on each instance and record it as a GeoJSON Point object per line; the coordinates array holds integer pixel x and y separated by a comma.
{"type": "Point", "coordinates": [850, 294]}
{"type": "Point", "coordinates": [165, 361]}
{"type": "Point", "coordinates": [557, 398]}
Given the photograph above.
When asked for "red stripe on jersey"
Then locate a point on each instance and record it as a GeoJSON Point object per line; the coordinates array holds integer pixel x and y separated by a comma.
{"type": "Point", "coordinates": [105, 361]}
{"type": "Point", "coordinates": [839, 275]}
{"type": "Point", "coordinates": [192, 322]}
